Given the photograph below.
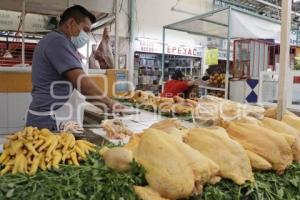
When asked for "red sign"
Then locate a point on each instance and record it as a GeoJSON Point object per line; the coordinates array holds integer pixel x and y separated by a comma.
{"type": "Point", "coordinates": [183, 51]}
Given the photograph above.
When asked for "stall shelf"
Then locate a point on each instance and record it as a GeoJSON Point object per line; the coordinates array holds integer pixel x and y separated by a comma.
{"type": "Point", "coordinates": [16, 83]}
{"type": "Point", "coordinates": [227, 23]}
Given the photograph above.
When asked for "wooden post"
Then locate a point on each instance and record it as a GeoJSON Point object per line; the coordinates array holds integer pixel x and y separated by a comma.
{"type": "Point", "coordinates": [284, 57]}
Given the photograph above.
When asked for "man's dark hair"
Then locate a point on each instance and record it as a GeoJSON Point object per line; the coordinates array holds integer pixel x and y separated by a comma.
{"type": "Point", "coordinates": [177, 75]}
{"type": "Point", "coordinates": [78, 13]}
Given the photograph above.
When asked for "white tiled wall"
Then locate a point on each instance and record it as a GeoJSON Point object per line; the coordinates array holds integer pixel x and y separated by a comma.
{"type": "Point", "coordinates": [13, 108]}
{"type": "Point", "coordinates": [3, 131]}
{"type": "Point", "coordinates": [296, 92]}
{"type": "Point", "coordinates": [18, 104]}
{"type": "Point", "coordinates": [3, 111]}
{"type": "Point", "coordinates": [237, 91]}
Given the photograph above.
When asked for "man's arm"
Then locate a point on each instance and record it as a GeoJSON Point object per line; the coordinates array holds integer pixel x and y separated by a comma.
{"type": "Point", "coordinates": [88, 88]}
{"type": "Point", "coordinates": [190, 83]}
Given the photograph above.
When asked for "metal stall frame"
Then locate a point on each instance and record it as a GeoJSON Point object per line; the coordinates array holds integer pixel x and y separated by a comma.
{"type": "Point", "coordinates": [227, 37]}
{"type": "Point", "coordinates": [51, 12]}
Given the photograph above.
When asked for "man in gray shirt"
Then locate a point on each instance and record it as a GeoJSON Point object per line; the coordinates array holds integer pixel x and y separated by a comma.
{"type": "Point", "coordinates": [56, 69]}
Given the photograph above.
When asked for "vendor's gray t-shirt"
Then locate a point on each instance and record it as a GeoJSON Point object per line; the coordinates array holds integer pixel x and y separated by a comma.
{"type": "Point", "coordinates": [53, 56]}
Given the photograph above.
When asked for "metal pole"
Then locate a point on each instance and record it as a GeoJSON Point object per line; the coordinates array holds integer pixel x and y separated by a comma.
{"type": "Point", "coordinates": [117, 49]}
{"type": "Point", "coordinates": [163, 57]}
{"type": "Point", "coordinates": [284, 56]}
{"type": "Point", "coordinates": [87, 56]}
{"type": "Point", "coordinates": [228, 54]}
{"type": "Point", "coordinates": [23, 32]}
{"type": "Point", "coordinates": [297, 42]}
{"type": "Point", "coordinates": [131, 41]}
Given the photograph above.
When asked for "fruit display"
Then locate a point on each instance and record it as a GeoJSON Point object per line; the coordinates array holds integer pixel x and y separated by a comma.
{"type": "Point", "coordinates": [220, 94]}
{"type": "Point", "coordinates": [217, 80]}
{"type": "Point", "coordinates": [32, 149]}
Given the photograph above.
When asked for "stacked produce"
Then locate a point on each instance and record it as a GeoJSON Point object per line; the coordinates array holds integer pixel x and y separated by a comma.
{"type": "Point", "coordinates": [93, 180]}
{"type": "Point", "coordinates": [217, 80]}
{"type": "Point", "coordinates": [207, 110]}
{"type": "Point", "coordinates": [213, 111]}
{"type": "Point", "coordinates": [178, 161]}
{"type": "Point", "coordinates": [208, 154]}
{"type": "Point", "coordinates": [163, 105]}
{"type": "Point", "coordinates": [32, 149]}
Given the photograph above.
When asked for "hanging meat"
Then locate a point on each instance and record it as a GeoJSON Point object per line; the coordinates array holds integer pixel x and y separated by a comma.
{"type": "Point", "coordinates": [104, 53]}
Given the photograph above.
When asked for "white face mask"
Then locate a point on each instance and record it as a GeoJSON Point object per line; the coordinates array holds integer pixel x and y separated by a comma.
{"type": "Point", "coordinates": [80, 40]}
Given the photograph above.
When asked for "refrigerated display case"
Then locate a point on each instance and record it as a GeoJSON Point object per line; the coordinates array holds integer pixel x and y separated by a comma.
{"type": "Point", "coordinates": [148, 69]}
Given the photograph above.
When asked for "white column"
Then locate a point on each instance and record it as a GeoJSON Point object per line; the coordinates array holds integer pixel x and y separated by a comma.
{"type": "Point", "coordinates": [23, 31]}
{"type": "Point", "coordinates": [131, 40]}
{"type": "Point", "coordinates": [284, 57]}
{"type": "Point", "coordinates": [117, 23]}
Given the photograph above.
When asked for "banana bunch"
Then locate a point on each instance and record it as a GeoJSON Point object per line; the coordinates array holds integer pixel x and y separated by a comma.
{"type": "Point", "coordinates": [32, 149]}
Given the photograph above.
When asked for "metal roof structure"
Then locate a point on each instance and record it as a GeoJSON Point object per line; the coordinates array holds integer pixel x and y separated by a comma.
{"type": "Point", "coordinates": [269, 8]}
{"type": "Point", "coordinates": [55, 7]}
{"type": "Point", "coordinates": [102, 9]}
{"type": "Point", "coordinates": [227, 23]}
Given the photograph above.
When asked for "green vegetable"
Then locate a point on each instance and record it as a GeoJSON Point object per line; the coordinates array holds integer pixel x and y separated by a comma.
{"type": "Point", "coordinates": [268, 186]}
{"type": "Point", "coordinates": [93, 180]}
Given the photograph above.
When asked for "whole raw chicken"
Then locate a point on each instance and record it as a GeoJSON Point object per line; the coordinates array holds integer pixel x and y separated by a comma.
{"type": "Point", "coordinates": [264, 142]}
{"type": "Point", "coordinates": [174, 169]}
{"type": "Point", "coordinates": [285, 130]}
{"type": "Point", "coordinates": [227, 153]}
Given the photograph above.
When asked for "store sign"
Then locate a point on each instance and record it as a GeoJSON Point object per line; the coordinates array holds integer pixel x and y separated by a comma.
{"type": "Point", "coordinates": [184, 51]}
{"type": "Point", "coordinates": [148, 46]}
{"type": "Point", "coordinates": [212, 57]}
{"type": "Point", "coordinates": [223, 55]}
{"type": "Point", "coordinates": [171, 49]}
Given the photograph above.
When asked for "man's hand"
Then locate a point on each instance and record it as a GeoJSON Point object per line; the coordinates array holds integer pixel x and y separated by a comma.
{"type": "Point", "coordinates": [116, 108]}
{"type": "Point", "coordinates": [89, 88]}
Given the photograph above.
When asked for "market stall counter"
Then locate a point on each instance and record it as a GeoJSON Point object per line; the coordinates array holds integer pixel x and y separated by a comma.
{"type": "Point", "coordinates": [148, 156]}
{"type": "Point", "coordinates": [16, 86]}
